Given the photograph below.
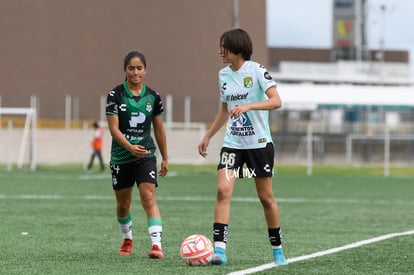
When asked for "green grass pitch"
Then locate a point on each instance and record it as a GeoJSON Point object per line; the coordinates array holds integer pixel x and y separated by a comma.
{"type": "Point", "coordinates": [60, 220]}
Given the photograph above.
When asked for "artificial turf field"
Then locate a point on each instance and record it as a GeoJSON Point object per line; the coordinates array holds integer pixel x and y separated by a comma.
{"type": "Point", "coordinates": [60, 220]}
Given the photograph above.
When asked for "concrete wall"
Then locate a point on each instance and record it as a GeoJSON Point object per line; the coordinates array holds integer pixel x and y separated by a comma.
{"type": "Point", "coordinates": [73, 146]}
{"type": "Point", "coordinates": [59, 146]}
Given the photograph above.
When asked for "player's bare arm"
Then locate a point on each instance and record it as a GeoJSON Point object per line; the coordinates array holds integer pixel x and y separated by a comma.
{"type": "Point", "coordinates": [218, 122]}
{"type": "Point", "coordinates": [160, 137]}
{"type": "Point", "coordinates": [273, 102]}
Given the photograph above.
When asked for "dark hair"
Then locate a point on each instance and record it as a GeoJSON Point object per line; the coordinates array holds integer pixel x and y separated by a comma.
{"type": "Point", "coordinates": [237, 41]}
{"type": "Point", "coordinates": [133, 54]}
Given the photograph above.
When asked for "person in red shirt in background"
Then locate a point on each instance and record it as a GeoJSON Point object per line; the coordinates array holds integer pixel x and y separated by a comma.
{"type": "Point", "coordinates": [96, 146]}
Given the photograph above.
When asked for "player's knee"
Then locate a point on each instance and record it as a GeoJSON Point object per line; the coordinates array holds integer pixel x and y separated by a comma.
{"type": "Point", "coordinates": [267, 202]}
{"type": "Point", "coordinates": [148, 201]}
{"type": "Point", "coordinates": [223, 195]}
{"type": "Point", "coordinates": [123, 207]}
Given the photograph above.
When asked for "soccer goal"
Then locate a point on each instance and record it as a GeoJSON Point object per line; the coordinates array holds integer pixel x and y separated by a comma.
{"type": "Point", "coordinates": [386, 138]}
{"type": "Point", "coordinates": [27, 137]}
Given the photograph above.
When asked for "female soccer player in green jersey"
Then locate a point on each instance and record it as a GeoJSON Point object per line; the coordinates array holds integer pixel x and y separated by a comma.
{"type": "Point", "coordinates": [131, 109]}
{"type": "Point", "coordinates": [247, 93]}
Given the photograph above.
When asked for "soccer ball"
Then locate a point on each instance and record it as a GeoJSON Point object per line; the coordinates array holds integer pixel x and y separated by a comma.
{"type": "Point", "coordinates": [196, 250]}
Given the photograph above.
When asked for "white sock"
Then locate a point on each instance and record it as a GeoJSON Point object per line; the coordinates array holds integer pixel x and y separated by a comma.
{"type": "Point", "coordinates": [126, 229]}
{"type": "Point", "coordinates": [155, 232]}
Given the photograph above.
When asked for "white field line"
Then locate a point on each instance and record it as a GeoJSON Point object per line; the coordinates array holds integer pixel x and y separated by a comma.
{"type": "Point", "coordinates": [324, 252]}
{"type": "Point", "coordinates": [212, 199]}
{"type": "Point", "coordinates": [239, 199]}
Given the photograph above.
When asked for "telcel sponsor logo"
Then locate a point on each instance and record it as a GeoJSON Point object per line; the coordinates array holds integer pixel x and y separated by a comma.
{"type": "Point", "coordinates": [237, 97]}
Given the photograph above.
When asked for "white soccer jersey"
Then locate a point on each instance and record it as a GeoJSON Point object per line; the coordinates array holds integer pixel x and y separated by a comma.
{"type": "Point", "coordinates": [248, 84]}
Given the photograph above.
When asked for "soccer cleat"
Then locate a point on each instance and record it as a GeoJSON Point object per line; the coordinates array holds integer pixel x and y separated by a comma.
{"type": "Point", "coordinates": [126, 247]}
{"type": "Point", "coordinates": [279, 257]}
{"type": "Point", "coordinates": [156, 252]}
{"type": "Point", "coordinates": [219, 257]}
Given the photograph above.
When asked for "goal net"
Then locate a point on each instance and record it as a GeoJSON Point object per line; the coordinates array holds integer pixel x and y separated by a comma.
{"type": "Point", "coordinates": [18, 140]}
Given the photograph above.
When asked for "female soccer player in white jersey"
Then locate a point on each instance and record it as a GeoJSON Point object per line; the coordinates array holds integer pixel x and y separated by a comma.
{"type": "Point", "coordinates": [247, 93]}
{"type": "Point", "coordinates": [131, 109]}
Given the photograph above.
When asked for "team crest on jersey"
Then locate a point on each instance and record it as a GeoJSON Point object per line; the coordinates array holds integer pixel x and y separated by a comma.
{"type": "Point", "coordinates": [248, 82]}
{"type": "Point", "coordinates": [148, 107]}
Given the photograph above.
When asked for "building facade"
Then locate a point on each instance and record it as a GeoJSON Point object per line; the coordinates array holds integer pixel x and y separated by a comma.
{"type": "Point", "coordinates": [54, 48]}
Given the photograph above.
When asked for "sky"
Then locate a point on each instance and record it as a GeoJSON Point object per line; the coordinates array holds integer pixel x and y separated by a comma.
{"type": "Point", "coordinates": [305, 23]}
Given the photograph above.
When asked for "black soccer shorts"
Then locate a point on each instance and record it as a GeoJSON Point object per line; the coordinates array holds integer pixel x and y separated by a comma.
{"type": "Point", "coordinates": [259, 161]}
{"type": "Point", "coordinates": [126, 175]}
